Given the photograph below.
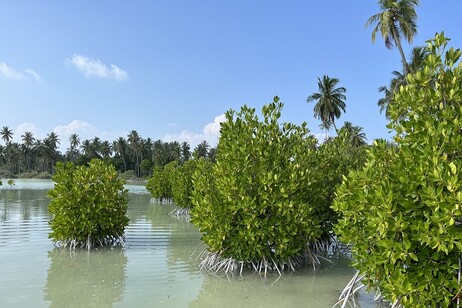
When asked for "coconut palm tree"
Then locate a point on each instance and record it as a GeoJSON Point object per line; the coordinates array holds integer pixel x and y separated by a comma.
{"type": "Point", "coordinates": [7, 134]}
{"type": "Point", "coordinates": [53, 139]}
{"type": "Point", "coordinates": [120, 147]}
{"type": "Point", "coordinates": [185, 151]}
{"type": "Point", "coordinates": [160, 153]}
{"type": "Point", "coordinates": [106, 149]}
{"type": "Point", "coordinates": [135, 143]}
{"type": "Point", "coordinates": [201, 150]}
{"type": "Point", "coordinates": [416, 63]}
{"type": "Point", "coordinates": [49, 150]}
{"type": "Point", "coordinates": [330, 101]}
{"type": "Point", "coordinates": [396, 20]}
{"type": "Point", "coordinates": [28, 141]}
{"type": "Point", "coordinates": [73, 151]}
{"type": "Point", "coordinates": [354, 134]}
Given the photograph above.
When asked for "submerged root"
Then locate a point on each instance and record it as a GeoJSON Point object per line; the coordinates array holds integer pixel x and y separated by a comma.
{"type": "Point", "coordinates": [181, 214]}
{"type": "Point", "coordinates": [161, 200]}
{"type": "Point", "coordinates": [348, 295]}
{"type": "Point", "coordinates": [213, 262]}
{"type": "Point", "coordinates": [89, 243]}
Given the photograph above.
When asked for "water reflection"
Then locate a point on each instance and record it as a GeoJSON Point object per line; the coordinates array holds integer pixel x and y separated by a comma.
{"type": "Point", "coordinates": [154, 270]}
{"type": "Point", "coordinates": [85, 279]}
{"type": "Point", "coordinates": [304, 288]}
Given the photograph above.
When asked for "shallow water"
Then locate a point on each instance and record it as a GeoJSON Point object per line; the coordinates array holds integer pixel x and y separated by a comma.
{"type": "Point", "coordinates": [154, 270]}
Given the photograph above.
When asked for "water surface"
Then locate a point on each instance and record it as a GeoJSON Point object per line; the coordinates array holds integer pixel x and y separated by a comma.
{"type": "Point", "coordinates": [154, 270]}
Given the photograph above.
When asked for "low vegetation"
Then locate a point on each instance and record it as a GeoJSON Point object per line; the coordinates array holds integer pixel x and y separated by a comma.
{"type": "Point", "coordinates": [88, 206]}
{"type": "Point", "coordinates": [265, 202]}
{"type": "Point", "coordinates": [402, 213]}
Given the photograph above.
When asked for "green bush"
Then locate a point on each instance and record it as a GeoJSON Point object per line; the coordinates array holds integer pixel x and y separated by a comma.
{"type": "Point", "coordinates": [128, 175]}
{"type": "Point", "coordinates": [88, 205]}
{"type": "Point", "coordinates": [182, 185]}
{"type": "Point", "coordinates": [255, 205]}
{"type": "Point", "coordinates": [160, 183]}
{"type": "Point", "coordinates": [403, 212]}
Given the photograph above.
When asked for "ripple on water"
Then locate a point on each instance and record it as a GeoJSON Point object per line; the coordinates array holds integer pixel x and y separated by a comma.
{"type": "Point", "coordinates": [155, 269]}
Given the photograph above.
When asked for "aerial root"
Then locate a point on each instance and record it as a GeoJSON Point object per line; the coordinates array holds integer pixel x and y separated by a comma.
{"type": "Point", "coordinates": [181, 214]}
{"type": "Point", "coordinates": [213, 262]}
{"type": "Point", "coordinates": [349, 292]}
{"type": "Point", "coordinates": [89, 243]}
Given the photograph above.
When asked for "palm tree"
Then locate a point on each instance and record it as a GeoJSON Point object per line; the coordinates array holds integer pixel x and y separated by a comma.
{"type": "Point", "coordinates": [416, 63]}
{"type": "Point", "coordinates": [201, 150]}
{"type": "Point", "coordinates": [397, 19]}
{"type": "Point", "coordinates": [53, 139]}
{"type": "Point", "coordinates": [354, 134]}
{"type": "Point", "coordinates": [86, 148]}
{"type": "Point", "coordinates": [95, 147]}
{"type": "Point", "coordinates": [28, 141]}
{"type": "Point", "coordinates": [106, 149]}
{"type": "Point", "coordinates": [74, 141]}
{"type": "Point", "coordinates": [174, 151]}
{"type": "Point", "coordinates": [120, 147]}
{"type": "Point", "coordinates": [72, 151]}
{"type": "Point", "coordinates": [330, 101]}
{"type": "Point", "coordinates": [7, 134]}
{"type": "Point", "coordinates": [160, 153]}
{"type": "Point", "coordinates": [48, 150]}
{"type": "Point", "coordinates": [135, 143]}
{"type": "Point", "coordinates": [185, 151]}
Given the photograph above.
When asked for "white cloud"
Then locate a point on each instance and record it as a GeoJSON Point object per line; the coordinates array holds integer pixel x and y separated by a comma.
{"type": "Point", "coordinates": [321, 136]}
{"type": "Point", "coordinates": [10, 73]}
{"type": "Point", "coordinates": [91, 67]}
{"type": "Point", "coordinates": [21, 129]}
{"type": "Point", "coordinates": [210, 133]}
{"type": "Point", "coordinates": [85, 131]}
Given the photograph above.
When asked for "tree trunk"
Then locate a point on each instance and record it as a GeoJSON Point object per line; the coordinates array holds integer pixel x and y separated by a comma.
{"type": "Point", "coordinates": [400, 48]}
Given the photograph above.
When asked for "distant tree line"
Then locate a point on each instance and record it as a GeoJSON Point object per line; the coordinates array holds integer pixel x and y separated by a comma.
{"type": "Point", "coordinates": [132, 155]}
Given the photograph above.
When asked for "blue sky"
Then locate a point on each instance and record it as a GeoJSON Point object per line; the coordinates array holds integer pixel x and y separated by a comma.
{"type": "Point", "coordinates": [169, 69]}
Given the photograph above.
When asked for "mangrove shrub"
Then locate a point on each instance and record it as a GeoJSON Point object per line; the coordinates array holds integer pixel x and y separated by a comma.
{"type": "Point", "coordinates": [403, 212]}
{"type": "Point", "coordinates": [254, 205]}
{"type": "Point", "coordinates": [182, 185]}
{"type": "Point", "coordinates": [88, 205]}
{"type": "Point", "coordinates": [160, 182]}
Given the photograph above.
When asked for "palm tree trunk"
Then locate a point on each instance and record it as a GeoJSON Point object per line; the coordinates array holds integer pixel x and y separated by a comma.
{"type": "Point", "coordinates": [400, 48]}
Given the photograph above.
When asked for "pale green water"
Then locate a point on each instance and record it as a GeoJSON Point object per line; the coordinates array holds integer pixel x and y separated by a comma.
{"type": "Point", "coordinates": [154, 270]}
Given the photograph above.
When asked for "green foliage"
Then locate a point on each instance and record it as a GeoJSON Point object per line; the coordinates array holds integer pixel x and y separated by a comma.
{"type": "Point", "coordinates": [402, 212]}
{"type": "Point", "coordinates": [160, 183]}
{"type": "Point", "coordinates": [182, 185]}
{"type": "Point", "coordinates": [88, 205]}
{"type": "Point", "coordinates": [128, 175]}
{"type": "Point", "coordinates": [334, 159]}
{"type": "Point", "coordinates": [255, 203]}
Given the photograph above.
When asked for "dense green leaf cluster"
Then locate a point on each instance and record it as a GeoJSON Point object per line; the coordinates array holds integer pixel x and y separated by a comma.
{"type": "Point", "coordinates": [160, 183]}
{"type": "Point", "coordinates": [182, 185]}
{"type": "Point", "coordinates": [335, 157]}
{"type": "Point", "coordinates": [402, 212]}
{"type": "Point", "coordinates": [256, 202]}
{"type": "Point", "coordinates": [88, 205]}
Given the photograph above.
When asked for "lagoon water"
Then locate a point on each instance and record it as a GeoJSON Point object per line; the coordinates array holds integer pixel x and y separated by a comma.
{"type": "Point", "coordinates": [156, 268]}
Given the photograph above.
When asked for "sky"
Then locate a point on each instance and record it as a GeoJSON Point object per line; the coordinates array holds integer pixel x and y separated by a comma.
{"type": "Point", "coordinates": [171, 69]}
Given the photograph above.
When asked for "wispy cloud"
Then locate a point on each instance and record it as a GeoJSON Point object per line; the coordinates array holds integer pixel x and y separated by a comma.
{"type": "Point", "coordinates": [94, 67]}
{"type": "Point", "coordinates": [210, 133]}
{"type": "Point", "coordinates": [10, 73]}
{"type": "Point", "coordinates": [33, 74]}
